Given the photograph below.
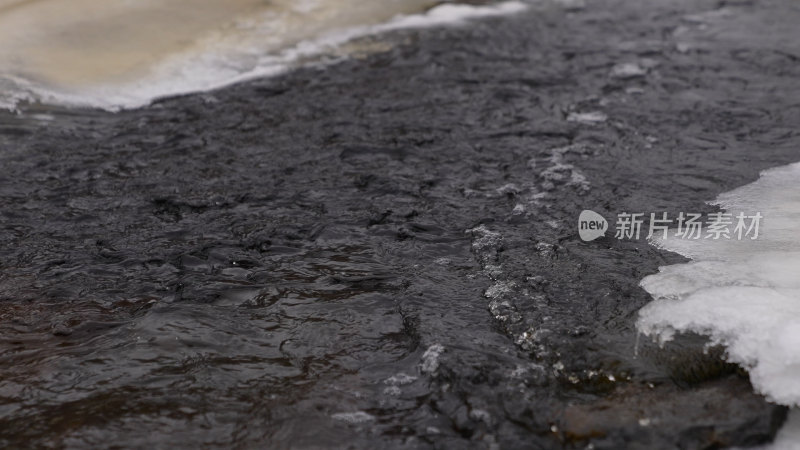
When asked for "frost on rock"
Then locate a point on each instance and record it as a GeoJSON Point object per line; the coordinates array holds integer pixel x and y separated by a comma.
{"type": "Point", "coordinates": [430, 359]}
{"type": "Point", "coordinates": [485, 244]}
{"type": "Point", "coordinates": [500, 305]}
{"type": "Point", "coordinates": [504, 311]}
{"type": "Point", "coordinates": [400, 379]}
{"type": "Point", "coordinates": [509, 189]}
{"type": "Point", "coordinates": [587, 118]}
{"type": "Point", "coordinates": [628, 70]}
{"type": "Point", "coordinates": [561, 173]}
{"type": "Point", "coordinates": [499, 289]}
{"type": "Point", "coordinates": [531, 340]}
{"type": "Point", "coordinates": [354, 417]}
{"type": "Point", "coordinates": [392, 391]}
{"type": "Point", "coordinates": [484, 239]}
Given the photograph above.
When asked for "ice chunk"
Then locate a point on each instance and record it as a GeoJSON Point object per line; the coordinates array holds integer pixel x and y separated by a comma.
{"type": "Point", "coordinates": [744, 294]}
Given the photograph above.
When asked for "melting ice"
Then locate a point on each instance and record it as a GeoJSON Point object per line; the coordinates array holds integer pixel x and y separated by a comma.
{"type": "Point", "coordinates": [743, 294]}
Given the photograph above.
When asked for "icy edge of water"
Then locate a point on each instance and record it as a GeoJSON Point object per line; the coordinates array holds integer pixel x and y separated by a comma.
{"type": "Point", "coordinates": [212, 70]}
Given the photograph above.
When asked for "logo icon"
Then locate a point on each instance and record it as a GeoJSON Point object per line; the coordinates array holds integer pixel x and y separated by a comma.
{"type": "Point", "coordinates": [591, 225]}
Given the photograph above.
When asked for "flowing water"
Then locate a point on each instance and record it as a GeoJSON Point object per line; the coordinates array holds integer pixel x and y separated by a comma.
{"type": "Point", "coordinates": [238, 309]}
{"type": "Point", "coordinates": [121, 53]}
{"type": "Point", "coordinates": [379, 254]}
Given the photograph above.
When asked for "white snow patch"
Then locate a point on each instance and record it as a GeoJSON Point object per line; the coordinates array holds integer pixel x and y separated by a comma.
{"type": "Point", "coordinates": [743, 294]}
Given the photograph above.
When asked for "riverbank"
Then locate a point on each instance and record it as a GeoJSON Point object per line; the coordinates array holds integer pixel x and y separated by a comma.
{"type": "Point", "coordinates": [384, 250]}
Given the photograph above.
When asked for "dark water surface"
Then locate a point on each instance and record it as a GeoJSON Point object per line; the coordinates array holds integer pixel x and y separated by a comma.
{"type": "Point", "coordinates": [382, 253]}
